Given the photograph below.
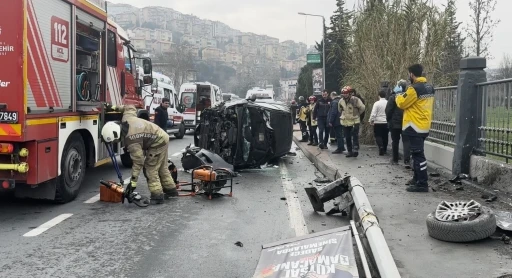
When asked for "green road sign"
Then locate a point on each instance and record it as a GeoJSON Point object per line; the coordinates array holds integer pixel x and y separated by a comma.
{"type": "Point", "coordinates": [315, 58]}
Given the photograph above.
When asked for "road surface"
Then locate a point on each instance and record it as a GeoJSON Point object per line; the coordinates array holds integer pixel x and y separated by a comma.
{"type": "Point", "coordinates": [187, 237]}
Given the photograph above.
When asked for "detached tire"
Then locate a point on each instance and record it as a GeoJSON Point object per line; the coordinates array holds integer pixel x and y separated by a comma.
{"type": "Point", "coordinates": [126, 160]}
{"type": "Point", "coordinates": [181, 133]}
{"type": "Point", "coordinates": [72, 167]}
{"type": "Point", "coordinates": [465, 231]}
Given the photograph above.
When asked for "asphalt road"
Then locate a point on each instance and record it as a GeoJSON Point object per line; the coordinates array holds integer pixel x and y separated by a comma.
{"type": "Point", "coordinates": [186, 237]}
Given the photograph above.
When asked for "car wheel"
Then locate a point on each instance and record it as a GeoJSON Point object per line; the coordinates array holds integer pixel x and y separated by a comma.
{"type": "Point", "coordinates": [180, 134]}
{"type": "Point", "coordinates": [464, 231]}
{"type": "Point", "coordinates": [72, 169]}
{"type": "Point", "coordinates": [126, 160]}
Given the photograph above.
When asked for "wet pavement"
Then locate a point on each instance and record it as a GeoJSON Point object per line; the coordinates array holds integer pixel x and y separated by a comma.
{"type": "Point", "coordinates": [187, 237]}
{"type": "Point", "coordinates": [402, 217]}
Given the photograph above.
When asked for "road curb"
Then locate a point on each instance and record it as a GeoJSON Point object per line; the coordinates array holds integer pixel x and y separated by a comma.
{"type": "Point", "coordinates": [327, 170]}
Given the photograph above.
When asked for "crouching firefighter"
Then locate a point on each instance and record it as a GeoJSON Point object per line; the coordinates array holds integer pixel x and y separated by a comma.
{"type": "Point", "coordinates": [147, 144]}
{"type": "Point", "coordinates": [302, 119]}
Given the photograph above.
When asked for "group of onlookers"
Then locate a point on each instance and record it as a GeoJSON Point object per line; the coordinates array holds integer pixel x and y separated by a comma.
{"type": "Point", "coordinates": [340, 113]}
{"type": "Point", "coordinates": [406, 113]}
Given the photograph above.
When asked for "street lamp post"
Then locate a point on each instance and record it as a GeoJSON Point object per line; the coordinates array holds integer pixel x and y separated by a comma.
{"type": "Point", "coordinates": [323, 43]}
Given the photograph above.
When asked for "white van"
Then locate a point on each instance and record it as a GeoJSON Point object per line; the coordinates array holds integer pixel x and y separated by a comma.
{"type": "Point", "coordinates": [195, 97]}
{"type": "Point", "coordinates": [260, 94]}
{"type": "Point", "coordinates": [163, 88]}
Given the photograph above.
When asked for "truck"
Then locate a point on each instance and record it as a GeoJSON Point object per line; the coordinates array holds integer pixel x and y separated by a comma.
{"type": "Point", "coordinates": [163, 87]}
{"type": "Point", "coordinates": [62, 60]}
{"type": "Point", "coordinates": [194, 98]}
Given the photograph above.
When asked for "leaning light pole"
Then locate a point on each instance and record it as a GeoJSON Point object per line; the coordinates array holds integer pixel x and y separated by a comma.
{"type": "Point", "coordinates": [323, 42]}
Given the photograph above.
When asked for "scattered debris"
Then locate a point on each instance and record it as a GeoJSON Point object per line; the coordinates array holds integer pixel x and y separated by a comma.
{"type": "Point", "coordinates": [458, 179]}
{"type": "Point", "coordinates": [459, 188]}
{"type": "Point", "coordinates": [322, 180]}
{"type": "Point", "coordinates": [283, 198]}
{"type": "Point", "coordinates": [505, 239]}
{"type": "Point", "coordinates": [435, 174]}
{"type": "Point", "coordinates": [491, 199]}
{"type": "Point", "coordinates": [239, 244]}
{"type": "Point", "coordinates": [504, 220]}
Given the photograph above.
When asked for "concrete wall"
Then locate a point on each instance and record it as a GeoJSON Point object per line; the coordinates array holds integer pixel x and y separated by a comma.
{"type": "Point", "coordinates": [489, 173]}
{"type": "Point", "coordinates": [439, 155]}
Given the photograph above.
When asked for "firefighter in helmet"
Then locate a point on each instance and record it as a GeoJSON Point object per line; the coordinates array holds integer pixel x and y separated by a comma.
{"type": "Point", "coordinates": [147, 144]}
{"type": "Point", "coordinates": [302, 118]}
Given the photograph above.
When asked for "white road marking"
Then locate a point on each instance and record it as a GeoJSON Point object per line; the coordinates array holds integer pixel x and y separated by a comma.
{"type": "Point", "coordinates": [297, 221]}
{"type": "Point", "coordinates": [45, 226]}
{"type": "Point", "coordinates": [176, 154]}
{"type": "Point", "coordinates": [96, 198]}
{"type": "Point", "coordinates": [93, 199]}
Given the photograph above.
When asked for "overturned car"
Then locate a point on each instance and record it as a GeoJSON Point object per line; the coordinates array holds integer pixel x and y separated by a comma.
{"type": "Point", "coordinates": [245, 133]}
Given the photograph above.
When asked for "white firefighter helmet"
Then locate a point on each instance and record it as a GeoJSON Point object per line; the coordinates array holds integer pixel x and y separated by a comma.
{"type": "Point", "coordinates": [111, 132]}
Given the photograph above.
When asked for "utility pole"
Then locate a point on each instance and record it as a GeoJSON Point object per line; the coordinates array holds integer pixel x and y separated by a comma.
{"type": "Point", "coordinates": [323, 42]}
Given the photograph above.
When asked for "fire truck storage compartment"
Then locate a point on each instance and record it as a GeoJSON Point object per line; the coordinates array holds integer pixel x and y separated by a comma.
{"type": "Point", "coordinates": [88, 47]}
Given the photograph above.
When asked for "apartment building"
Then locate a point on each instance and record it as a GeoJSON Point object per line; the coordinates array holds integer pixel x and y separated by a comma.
{"type": "Point", "coordinates": [212, 54]}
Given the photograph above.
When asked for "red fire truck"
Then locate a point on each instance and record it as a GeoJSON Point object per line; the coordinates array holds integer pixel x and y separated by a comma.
{"type": "Point", "coordinates": [61, 61]}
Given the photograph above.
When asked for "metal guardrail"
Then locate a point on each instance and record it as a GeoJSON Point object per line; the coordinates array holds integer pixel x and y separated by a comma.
{"type": "Point", "coordinates": [443, 123]}
{"type": "Point", "coordinates": [495, 130]}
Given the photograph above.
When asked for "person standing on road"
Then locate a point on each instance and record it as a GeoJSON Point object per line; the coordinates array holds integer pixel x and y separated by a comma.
{"type": "Point", "coordinates": [351, 108]}
{"type": "Point", "coordinates": [394, 116]}
{"type": "Point", "coordinates": [162, 116]}
{"type": "Point", "coordinates": [302, 119]}
{"type": "Point", "coordinates": [312, 124]}
{"type": "Point", "coordinates": [335, 123]}
{"type": "Point", "coordinates": [332, 133]}
{"type": "Point", "coordinates": [320, 115]}
{"type": "Point", "coordinates": [379, 123]}
{"type": "Point", "coordinates": [417, 103]}
{"type": "Point", "coordinates": [147, 144]}
{"type": "Point", "coordinates": [354, 93]}
{"type": "Point", "coordinates": [293, 108]}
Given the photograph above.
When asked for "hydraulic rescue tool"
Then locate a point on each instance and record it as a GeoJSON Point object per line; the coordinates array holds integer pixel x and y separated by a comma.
{"type": "Point", "coordinates": [127, 193]}
{"type": "Point", "coordinates": [205, 180]}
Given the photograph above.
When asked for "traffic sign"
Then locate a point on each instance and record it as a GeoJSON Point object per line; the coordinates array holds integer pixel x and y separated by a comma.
{"type": "Point", "coordinates": [314, 58]}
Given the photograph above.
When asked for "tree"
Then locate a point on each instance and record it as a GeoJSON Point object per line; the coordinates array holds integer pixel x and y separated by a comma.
{"type": "Point", "coordinates": [505, 68]}
{"type": "Point", "coordinates": [453, 48]}
{"type": "Point", "coordinates": [337, 47]}
{"type": "Point", "coordinates": [481, 26]}
{"type": "Point", "coordinates": [385, 38]}
{"type": "Point", "coordinates": [177, 63]}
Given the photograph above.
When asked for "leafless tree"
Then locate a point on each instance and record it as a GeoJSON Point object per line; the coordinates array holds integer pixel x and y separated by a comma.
{"type": "Point", "coordinates": [481, 26]}
{"type": "Point", "coordinates": [505, 68]}
{"type": "Point", "coordinates": [177, 63]}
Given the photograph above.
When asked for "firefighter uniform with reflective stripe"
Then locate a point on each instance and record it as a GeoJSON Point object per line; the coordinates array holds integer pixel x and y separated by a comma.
{"type": "Point", "coordinates": [147, 144]}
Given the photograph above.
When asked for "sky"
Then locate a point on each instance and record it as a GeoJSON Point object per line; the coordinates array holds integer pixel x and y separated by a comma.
{"type": "Point", "coordinates": [280, 19]}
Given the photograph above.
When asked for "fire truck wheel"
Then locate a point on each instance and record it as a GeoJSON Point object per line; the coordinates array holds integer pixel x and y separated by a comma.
{"type": "Point", "coordinates": [72, 169]}
{"type": "Point", "coordinates": [180, 134]}
{"type": "Point", "coordinates": [126, 160]}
